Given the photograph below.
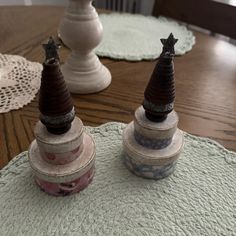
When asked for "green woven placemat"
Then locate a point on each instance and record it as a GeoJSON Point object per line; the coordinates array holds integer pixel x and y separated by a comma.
{"type": "Point", "coordinates": [198, 199]}
{"type": "Point", "coordinates": [135, 37]}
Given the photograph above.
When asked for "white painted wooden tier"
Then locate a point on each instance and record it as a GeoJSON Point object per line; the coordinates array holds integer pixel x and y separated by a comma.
{"type": "Point", "coordinates": [155, 130]}
{"type": "Point", "coordinates": [63, 143]}
{"type": "Point", "coordinates": [148, 156]}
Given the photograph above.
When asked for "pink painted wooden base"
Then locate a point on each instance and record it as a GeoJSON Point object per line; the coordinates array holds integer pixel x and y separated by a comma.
{"type": "Point", "coordinates": [65, 189]}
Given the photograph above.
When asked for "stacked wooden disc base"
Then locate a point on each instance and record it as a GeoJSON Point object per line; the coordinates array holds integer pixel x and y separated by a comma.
{"type": "Point", "coordinates": [62, 164]}
{"type": "Point", "coordinates": [152, 148]}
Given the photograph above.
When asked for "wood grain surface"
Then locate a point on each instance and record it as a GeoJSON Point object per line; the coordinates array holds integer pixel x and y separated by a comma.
{"type": "Point", "coordinates": [205, 84]}
{"type": "Point", "coordinates": [216, 16]}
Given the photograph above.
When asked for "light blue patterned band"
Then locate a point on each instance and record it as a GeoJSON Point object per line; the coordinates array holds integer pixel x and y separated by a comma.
{"type": "Point", "coordinates": [158, 108]}
{"type": "Point", "coordinates": [57, 120]}
{"type": "Point", "coordinates": [151, 143]}
{"type": "Point", "coordinates": [149, 171]}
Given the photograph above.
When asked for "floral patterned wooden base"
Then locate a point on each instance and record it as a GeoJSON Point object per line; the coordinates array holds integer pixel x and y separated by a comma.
{"type": "Point", "coordinates": [65, 189]}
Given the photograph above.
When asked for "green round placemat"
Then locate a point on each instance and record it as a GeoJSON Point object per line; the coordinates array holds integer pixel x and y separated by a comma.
{"type": "Point", "coordinates": [198, 199]}
{"type": "Point", "coordinates": [135, 37]}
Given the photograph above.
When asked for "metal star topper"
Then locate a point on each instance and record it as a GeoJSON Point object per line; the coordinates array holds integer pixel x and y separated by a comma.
{"type": "Point", "coordinates": [51, 48]}
{"type": "Point", "coordinates": [169, 46]}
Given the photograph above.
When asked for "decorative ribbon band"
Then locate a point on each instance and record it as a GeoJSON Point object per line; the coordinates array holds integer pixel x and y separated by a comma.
{"type": "Point", "coordinates": [149, 171]}
{"type": "Point", "coordinates": [157, 108]}
{"type": "Point", "coordinates": [57, 120]}
{"type": "Point", "coordinates": [151, 143]}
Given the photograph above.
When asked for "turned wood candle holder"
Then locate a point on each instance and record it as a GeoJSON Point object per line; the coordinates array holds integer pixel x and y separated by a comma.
{"type": "Point", "coordinates": [81, 31]}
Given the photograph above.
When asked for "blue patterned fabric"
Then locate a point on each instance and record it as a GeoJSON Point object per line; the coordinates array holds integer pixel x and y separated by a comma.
{"type": "Point", "coordinates": [149, 171]}
{"type": "Point", "coordinates": [151, 143]}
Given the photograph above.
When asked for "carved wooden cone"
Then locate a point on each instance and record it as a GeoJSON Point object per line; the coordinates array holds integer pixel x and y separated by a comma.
{"type": "Point", "coordinates": [160, 92]}
{"type": "Point", "coordinates": [55, 103]}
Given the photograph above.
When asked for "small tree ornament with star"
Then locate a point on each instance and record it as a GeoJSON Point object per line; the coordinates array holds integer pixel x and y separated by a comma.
{"type": "Point", "coordinates": [160, 92]}
{"type": "Point", "coordinates": [51, 48]}
{"type": "Point", "coordinates": [55, 102]}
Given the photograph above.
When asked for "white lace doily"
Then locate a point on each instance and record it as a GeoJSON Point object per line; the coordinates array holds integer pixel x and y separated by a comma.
{"type": "Point", "coordinates": [137, 37]}
{"type": "Point", "coordinates": [19, 81]}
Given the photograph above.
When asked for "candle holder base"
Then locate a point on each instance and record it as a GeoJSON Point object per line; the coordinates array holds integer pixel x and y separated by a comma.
{"type": "Point", "coordinates": [86, 82]}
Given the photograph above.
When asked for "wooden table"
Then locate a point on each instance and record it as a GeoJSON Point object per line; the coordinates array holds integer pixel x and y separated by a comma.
{"type": "Point", "coordinates": [205, 84]}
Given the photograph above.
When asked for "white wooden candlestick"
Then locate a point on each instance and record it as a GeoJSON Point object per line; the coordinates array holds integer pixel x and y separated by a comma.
{"type": "Point", "coordinates": [81, 30]}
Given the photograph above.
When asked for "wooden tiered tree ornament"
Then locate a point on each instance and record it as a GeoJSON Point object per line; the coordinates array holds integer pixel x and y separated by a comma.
{"type": "Point", "coordinates": [62, 156]}
{"type": "Point", "coordinates": [81, 31]}
{"type": "Point", "coordinates": [152, 142]}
